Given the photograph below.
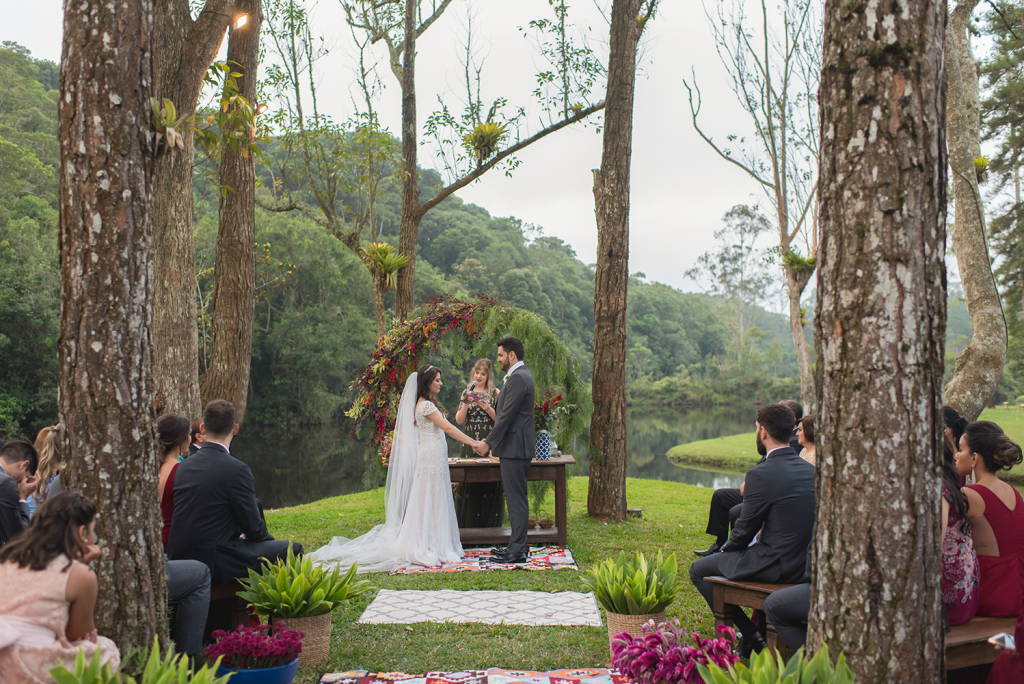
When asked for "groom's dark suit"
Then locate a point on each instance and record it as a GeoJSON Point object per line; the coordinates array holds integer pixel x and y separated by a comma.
{"type": "Point", "coordinates": [512, 440]}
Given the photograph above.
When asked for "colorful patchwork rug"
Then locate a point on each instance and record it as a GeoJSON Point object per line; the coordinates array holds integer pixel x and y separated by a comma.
{"type": "Point", "coordinates": [477, 560]}
{"type": "Point", "coordinates": [494, 675]}
{"type": "Point", "coordinates": [487, 607]}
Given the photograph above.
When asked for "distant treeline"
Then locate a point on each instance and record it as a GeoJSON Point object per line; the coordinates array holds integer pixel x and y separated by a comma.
{"type": "Point", "coordinates": [314, 324]}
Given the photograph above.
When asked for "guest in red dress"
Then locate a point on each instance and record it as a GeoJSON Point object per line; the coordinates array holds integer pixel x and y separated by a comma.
{"type": "Point", "coordinates": [997, 517]}
{"type": "Point", "coordinates": [174, 432]}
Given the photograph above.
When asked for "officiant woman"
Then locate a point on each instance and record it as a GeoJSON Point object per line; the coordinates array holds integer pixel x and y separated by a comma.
{"type": "Point", "coordinates": [478, 504]}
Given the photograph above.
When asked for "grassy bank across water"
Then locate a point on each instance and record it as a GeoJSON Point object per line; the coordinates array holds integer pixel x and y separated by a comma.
{"type": "Point", "coordinates": [674, 518]}
{"type": "Point", "coordinates": [737, 452]}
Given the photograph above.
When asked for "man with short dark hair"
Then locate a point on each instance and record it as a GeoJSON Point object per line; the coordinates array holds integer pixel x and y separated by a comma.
{"type": "Point", "coordinates": [196, 436]}
{"type": "Point", "coordinates": [513, 441]}
{"type": "Point", "coordinates": [726, 502]}
{"type": "Point", "coordinates": [217, 519]}
{"type": "Point", "coordinates": [18, 480]}
{"type": "Point", "coordinates": [778, 501]}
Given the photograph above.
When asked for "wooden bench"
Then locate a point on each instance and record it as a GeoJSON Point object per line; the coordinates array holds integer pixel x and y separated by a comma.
{"type": "Point", "coordinates": [729, 594]}
{"type": "Point", "coordinates": [966, 645]}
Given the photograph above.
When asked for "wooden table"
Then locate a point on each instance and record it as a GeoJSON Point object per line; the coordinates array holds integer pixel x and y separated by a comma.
{"type": "Point", "coordinates": [468, 470]}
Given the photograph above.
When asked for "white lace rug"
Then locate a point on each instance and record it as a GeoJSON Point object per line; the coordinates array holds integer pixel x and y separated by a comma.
{"type": "Point", "coordinates": [488, 607]}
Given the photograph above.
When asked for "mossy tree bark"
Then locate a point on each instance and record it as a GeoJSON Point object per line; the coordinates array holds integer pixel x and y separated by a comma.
{"type": "Point", "coordinates": [106, 287]}
{"type": "Point", "coordinates": [881, 316]}
{"type": "Point", "coordinates": [234, 277]}
{"type": "Point", "coordinates": [606, 492]}
{"type": "Point", "coordinates": [183, 52]}
{"type": "Point", "coordinates": [980, 365]}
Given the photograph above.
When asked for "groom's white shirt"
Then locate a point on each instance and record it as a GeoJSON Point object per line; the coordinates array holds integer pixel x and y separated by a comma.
{"type": "Point", "coordinates": [512, 370]}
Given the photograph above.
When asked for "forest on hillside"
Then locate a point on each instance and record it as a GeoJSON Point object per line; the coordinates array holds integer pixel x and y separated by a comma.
{"type": "Point", "coordinates": [315, 321]}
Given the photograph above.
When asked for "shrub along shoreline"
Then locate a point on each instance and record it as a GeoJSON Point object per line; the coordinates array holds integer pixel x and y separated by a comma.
{"type": "Point", "coordinates": [737, 452]}
{"type": "Point", "coordinates": [674, 518]}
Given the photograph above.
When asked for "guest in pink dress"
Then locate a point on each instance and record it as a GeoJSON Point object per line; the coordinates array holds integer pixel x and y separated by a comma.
{"type": "Point", "coordinates": [49, 593]}
{"type": "Point", "coordinates": [961, 573]}
{"type": "Point", "coordinates": [997, 517]}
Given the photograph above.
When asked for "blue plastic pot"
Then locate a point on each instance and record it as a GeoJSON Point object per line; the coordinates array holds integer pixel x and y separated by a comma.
{"type": "Point", "coordinates": [282, 674]}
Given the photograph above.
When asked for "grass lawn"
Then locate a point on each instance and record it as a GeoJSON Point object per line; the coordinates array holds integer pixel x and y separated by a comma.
{"type": "Point", "coordinates": [674, 518]}
{"type": "Point", "coordinates": [737, 452]}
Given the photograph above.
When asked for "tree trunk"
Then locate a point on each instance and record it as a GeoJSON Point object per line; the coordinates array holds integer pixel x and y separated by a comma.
{"type": "Point", "coordinates": [234, 277]}
{"type": "Point", "coordinates": [795, 285]}
{"type": "Point", "coordinates": [980, 365]}
{"type": "Point", "coordinates": [106, 369]}
{"type": "Point", "coordinates": [378, 305]}
{"type": "Point", "coordinates": [411, 215]}
{"type": "Point", "coordinates": [606, 493]}
{"type": "Point", "coordinates": [881, 316]}
{"type": "Point", "coordinates": [183, 52]}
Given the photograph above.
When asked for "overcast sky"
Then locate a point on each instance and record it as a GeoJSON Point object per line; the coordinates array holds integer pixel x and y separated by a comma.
{"type": "Point", "coordinates": [680, 187]}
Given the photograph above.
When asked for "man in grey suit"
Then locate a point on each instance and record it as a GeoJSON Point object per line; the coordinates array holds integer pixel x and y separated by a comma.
{"type": "Point", "coordinates": [513, 441]}
{"type": "Point", "coordinates": [18, 480]}
{"type": "Point", "coordinates": [778, 501]}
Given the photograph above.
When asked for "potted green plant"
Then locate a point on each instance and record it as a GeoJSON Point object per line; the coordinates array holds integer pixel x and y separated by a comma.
{"type": "Point", "coordinates": [632, 591]}
{"type": "Point", "coordinates": [154, 669]}
{"type": "Point", "coordinates": [302, 595]}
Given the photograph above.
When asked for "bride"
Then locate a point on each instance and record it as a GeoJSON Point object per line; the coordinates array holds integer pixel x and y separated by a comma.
{"type": "Point", "coordinates": [420, 525]}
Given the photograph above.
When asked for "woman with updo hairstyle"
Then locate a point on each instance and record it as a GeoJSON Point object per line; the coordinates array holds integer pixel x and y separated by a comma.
{"type": "Point", "coordinates": [174, 431]}
{"type": "Point", "coordinates": [48, 602]}
{"type": "Point", "coordinates": [996, 511]}
{"type": "Point", "coordinates": [805, 435]}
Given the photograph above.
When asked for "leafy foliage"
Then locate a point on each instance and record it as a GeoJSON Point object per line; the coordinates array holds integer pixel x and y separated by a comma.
{"type": "Point", "coordinates": [662, 654]}
{"type": "Point", "coordinates": [767, 667]}
{"type": "Point", "coordinates": [293, 587]}
{"type": "Point", "coordinates": [92, 672]}
{"type": "Point", "coordinates": [629, 585]}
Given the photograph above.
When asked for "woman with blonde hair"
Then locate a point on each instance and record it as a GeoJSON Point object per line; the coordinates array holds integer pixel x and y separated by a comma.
{"type": "Point", "coordinates": [478, 504]}
{"type": "Point", "coordinates": [48, 446]}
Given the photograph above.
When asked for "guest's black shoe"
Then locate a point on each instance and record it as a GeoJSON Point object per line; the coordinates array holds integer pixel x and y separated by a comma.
{"type": "Point", "coordinates": [714, 548]}
{"type": "Point", "coordinates": [752, 644]}
{"type": "Point", "coordinates": [506, 557]}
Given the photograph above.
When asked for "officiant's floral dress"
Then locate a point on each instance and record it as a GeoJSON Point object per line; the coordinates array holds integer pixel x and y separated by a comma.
{"type": "Point", "coordinates": [479, 504]}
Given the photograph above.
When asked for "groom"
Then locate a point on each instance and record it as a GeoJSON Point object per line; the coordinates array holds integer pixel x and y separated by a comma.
{"type": "Point", "coordinates": [514, 443]}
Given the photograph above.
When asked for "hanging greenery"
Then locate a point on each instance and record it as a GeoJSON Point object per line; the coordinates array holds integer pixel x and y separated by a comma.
{"type": "Point", "coordinates": [461, 330]}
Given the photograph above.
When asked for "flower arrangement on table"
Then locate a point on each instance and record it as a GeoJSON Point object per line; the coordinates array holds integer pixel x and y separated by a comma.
{"type": "Point", "coordinates": [546, 411]}
{"type": "Point", "coordinates": [250, 648]}
{"type": "Point", "coordinates": [664, 654]}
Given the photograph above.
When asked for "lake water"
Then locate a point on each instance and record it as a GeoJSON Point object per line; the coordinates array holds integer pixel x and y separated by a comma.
{"type": "Point", "coordinates": [292, 466]}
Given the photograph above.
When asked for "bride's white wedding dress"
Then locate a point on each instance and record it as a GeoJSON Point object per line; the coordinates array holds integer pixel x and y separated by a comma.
{"type": "Point", "coordinates": [420, 524]}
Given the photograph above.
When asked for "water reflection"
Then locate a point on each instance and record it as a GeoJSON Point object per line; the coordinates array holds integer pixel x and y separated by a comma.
{"type": "Point", "coordinates": [292, 466]}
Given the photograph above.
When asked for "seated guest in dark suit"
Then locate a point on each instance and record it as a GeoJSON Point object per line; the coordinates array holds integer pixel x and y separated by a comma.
{"type": "Point", "coordinates": [787, 609]}
{"type": "Point", "coordinates": [215, 504]}
{"type": "Point", "coordinates": [726, 502]}
{"type": "Point", "coordinates": [779, 501]}
{"type": "Point", "coordinates": [18, 480]}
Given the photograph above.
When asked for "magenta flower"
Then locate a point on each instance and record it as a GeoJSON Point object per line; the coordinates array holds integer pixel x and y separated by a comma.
{"type": "Point", "coordinates": [256, 647]}
{"type": "Point", "coordinates": [668, 655]}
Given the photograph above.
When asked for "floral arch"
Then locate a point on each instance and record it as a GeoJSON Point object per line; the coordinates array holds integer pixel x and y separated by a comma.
{"type": "Point", "coordinates": [460, 330]}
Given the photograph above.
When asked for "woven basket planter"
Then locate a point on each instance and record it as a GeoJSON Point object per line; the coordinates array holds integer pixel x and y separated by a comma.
{"type": "Point", "coordinates": [618, 623]}
{"type": "Point", "coordinates": [316, 640]}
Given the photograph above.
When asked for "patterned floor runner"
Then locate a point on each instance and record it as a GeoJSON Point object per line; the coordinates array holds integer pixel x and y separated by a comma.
{"type": "Point", "coordinates": [494, 675]}
{"type": "Point", "coordinates": [477, 560]}
{"type": "Point", "coordinates": [487, 607]}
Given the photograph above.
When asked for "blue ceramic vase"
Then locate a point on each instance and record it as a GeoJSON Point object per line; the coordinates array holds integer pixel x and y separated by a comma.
{"type": "Point", "coordinates": [543, 445]}
{"type": "Point", "coordinates": [282, 674]}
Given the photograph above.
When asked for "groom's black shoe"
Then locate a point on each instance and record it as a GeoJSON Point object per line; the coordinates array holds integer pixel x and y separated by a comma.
{"type": "Point", "coordinates": [499, 549]}
{"type": "Point", "coordinates": [714, 548]}
{"type": "Point", "coordinates": [510, 557]}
